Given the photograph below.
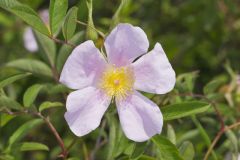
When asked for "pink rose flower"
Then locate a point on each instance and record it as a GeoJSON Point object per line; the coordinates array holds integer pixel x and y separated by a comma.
{"type": "Point", "coordinates": [97, 81]}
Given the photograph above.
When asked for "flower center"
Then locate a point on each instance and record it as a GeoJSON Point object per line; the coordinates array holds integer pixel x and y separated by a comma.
{"type": "Point", "coordinates": [117, 82]}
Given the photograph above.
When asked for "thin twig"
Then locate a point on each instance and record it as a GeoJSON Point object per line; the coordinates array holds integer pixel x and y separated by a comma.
{"type": "Point", "coordinates": [62, 42]}
{"type": "Point", "coordinates": [7, 111]}
{"type": "Point", "coordinates": [232, 126]}
{"type": "Point", "coordinates": [55, 133]}
{"type": "Point", "coordinates": [220, 117]}
{"type": "Point", "coordinates": [49, 124]}
{"type": "Point", "coordinates": [219, 134]}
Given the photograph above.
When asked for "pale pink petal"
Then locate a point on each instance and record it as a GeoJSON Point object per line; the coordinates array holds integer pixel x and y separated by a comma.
{"type": "Point", "coordinates": [140, 118]}
{"type": "Point", "coordinates": [83, 67]}
{"type": "Point", "coordinates": [44, 14]}
{"type": "Point", "coordinates": [29, 40]}
{"type": "Point", "coordinates": [153, 72]}
{"type": "Point", "coordinates": [125, 43]}
{"type": "Point", "coordinates": [85, 109]}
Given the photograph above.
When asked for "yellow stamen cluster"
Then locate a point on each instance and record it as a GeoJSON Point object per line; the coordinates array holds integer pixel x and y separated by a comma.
{"type": "Point", "coordinates": [117, 82]}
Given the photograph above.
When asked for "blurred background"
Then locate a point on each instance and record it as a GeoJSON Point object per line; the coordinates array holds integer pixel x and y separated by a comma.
{"type": "Point", "coordinates": [201, 38]}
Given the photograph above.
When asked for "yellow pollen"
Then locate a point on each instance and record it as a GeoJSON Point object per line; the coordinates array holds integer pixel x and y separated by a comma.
{"type": "Point", "coordinates": [117, 82]}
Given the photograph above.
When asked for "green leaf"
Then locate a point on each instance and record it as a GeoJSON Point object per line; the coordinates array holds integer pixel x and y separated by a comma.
{"type": "Point", "coordinates": [57, 88]}
{"type": "Point", "coordinates": [65, 50]}
{"type": "Point", "coordinates": [112, 135]}
{"type": "Point", "coordinates": [31, 94]}
{"type": "Point", "coordinates": [9, 103]}
{"type": "Point", "coordinates": [190, 134]}
{"type": "Point", "coordinates": [69, 25]}
{"type": "Point", "coordinates": [6, 157]}
{"type": "Point", "coordinates": [184, 109]}
{"type": "Point", "coordinates": [26, 13]}
{"type": "Point", "coordinates": [5, 118]}
{"type": "Point", "coordinates": [186, 82]}
{"type": "Point", "coordinates": [13, 78]}
{"type": "Point", "coordinates": [31, 65]}
{"type": "Point", "coordinates": [33, 146]}
{"type": "Point", "coordinates": [116, 17]}
{"type": "Point", "coordinates": [48, 48]}
{"type": "Point", "coordinates": [166, 148]}
{"type": "Point", "coordinates": [213, 85]}
{"type": "Point", "coordinates": [171, 134]}
{"type": "Point", "coordinates": [117, 141]}
{"type": "Point", "coordinates": [229, 69]}
{"type": "Point", "coordinates": [22, 131]}
{"type": "Point", "coordinates": [204, 135]}
{"type": "Point", "coordinates": [47, 105]}
{"type": "Point", "coordinates": [129, 149]}
{"type": "Point", "coordinates": [2, 93]}
{"type": "Point", "coordinates": [139, 149]}
{"type": "Point", "coordinates": [202, 131]}
{"type": "Point", "coordinates": [233, 139]}
{"type": "Point", "coordinates": [187, 150]}
{"type": "Point", "coordinates": [57, 12]}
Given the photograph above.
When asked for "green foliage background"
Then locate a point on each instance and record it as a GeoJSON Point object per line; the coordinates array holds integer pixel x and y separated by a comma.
{"type": "Point", "coordinates": [202, 41]}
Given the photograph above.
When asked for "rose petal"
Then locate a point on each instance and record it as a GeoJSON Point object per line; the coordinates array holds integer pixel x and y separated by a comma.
{"type": "Point", "coordinates": [44, 14]}
{"type": "Point", "coordinates": [153, 72]}
{"type": "Point", "coordinates": [29, 40]}
{"type": "Point", "coordinates": [125, 43]}
{"type": "Point", "coordinates": [83, 67]}
{"type": "Point", "coordinates": [140, 118]}
{"type": "Point", "coordinates": [85, 109]}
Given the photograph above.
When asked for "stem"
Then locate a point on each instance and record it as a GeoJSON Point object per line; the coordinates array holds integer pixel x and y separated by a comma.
{"type": "Point", "coordinates": [7, 111]}
{"type": "Point", "coordinates": [219, 134]}
{"type": "Point", "coordinates": [62, 42]}
{"type": "Point", "coordinates": [55, 133]}
{"type": "Point", "coordinates": [220, 117]}
{"type": "Point", "coordinates": [49, 124]}
{"type": "Point", "coordinates": [232, 126]}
